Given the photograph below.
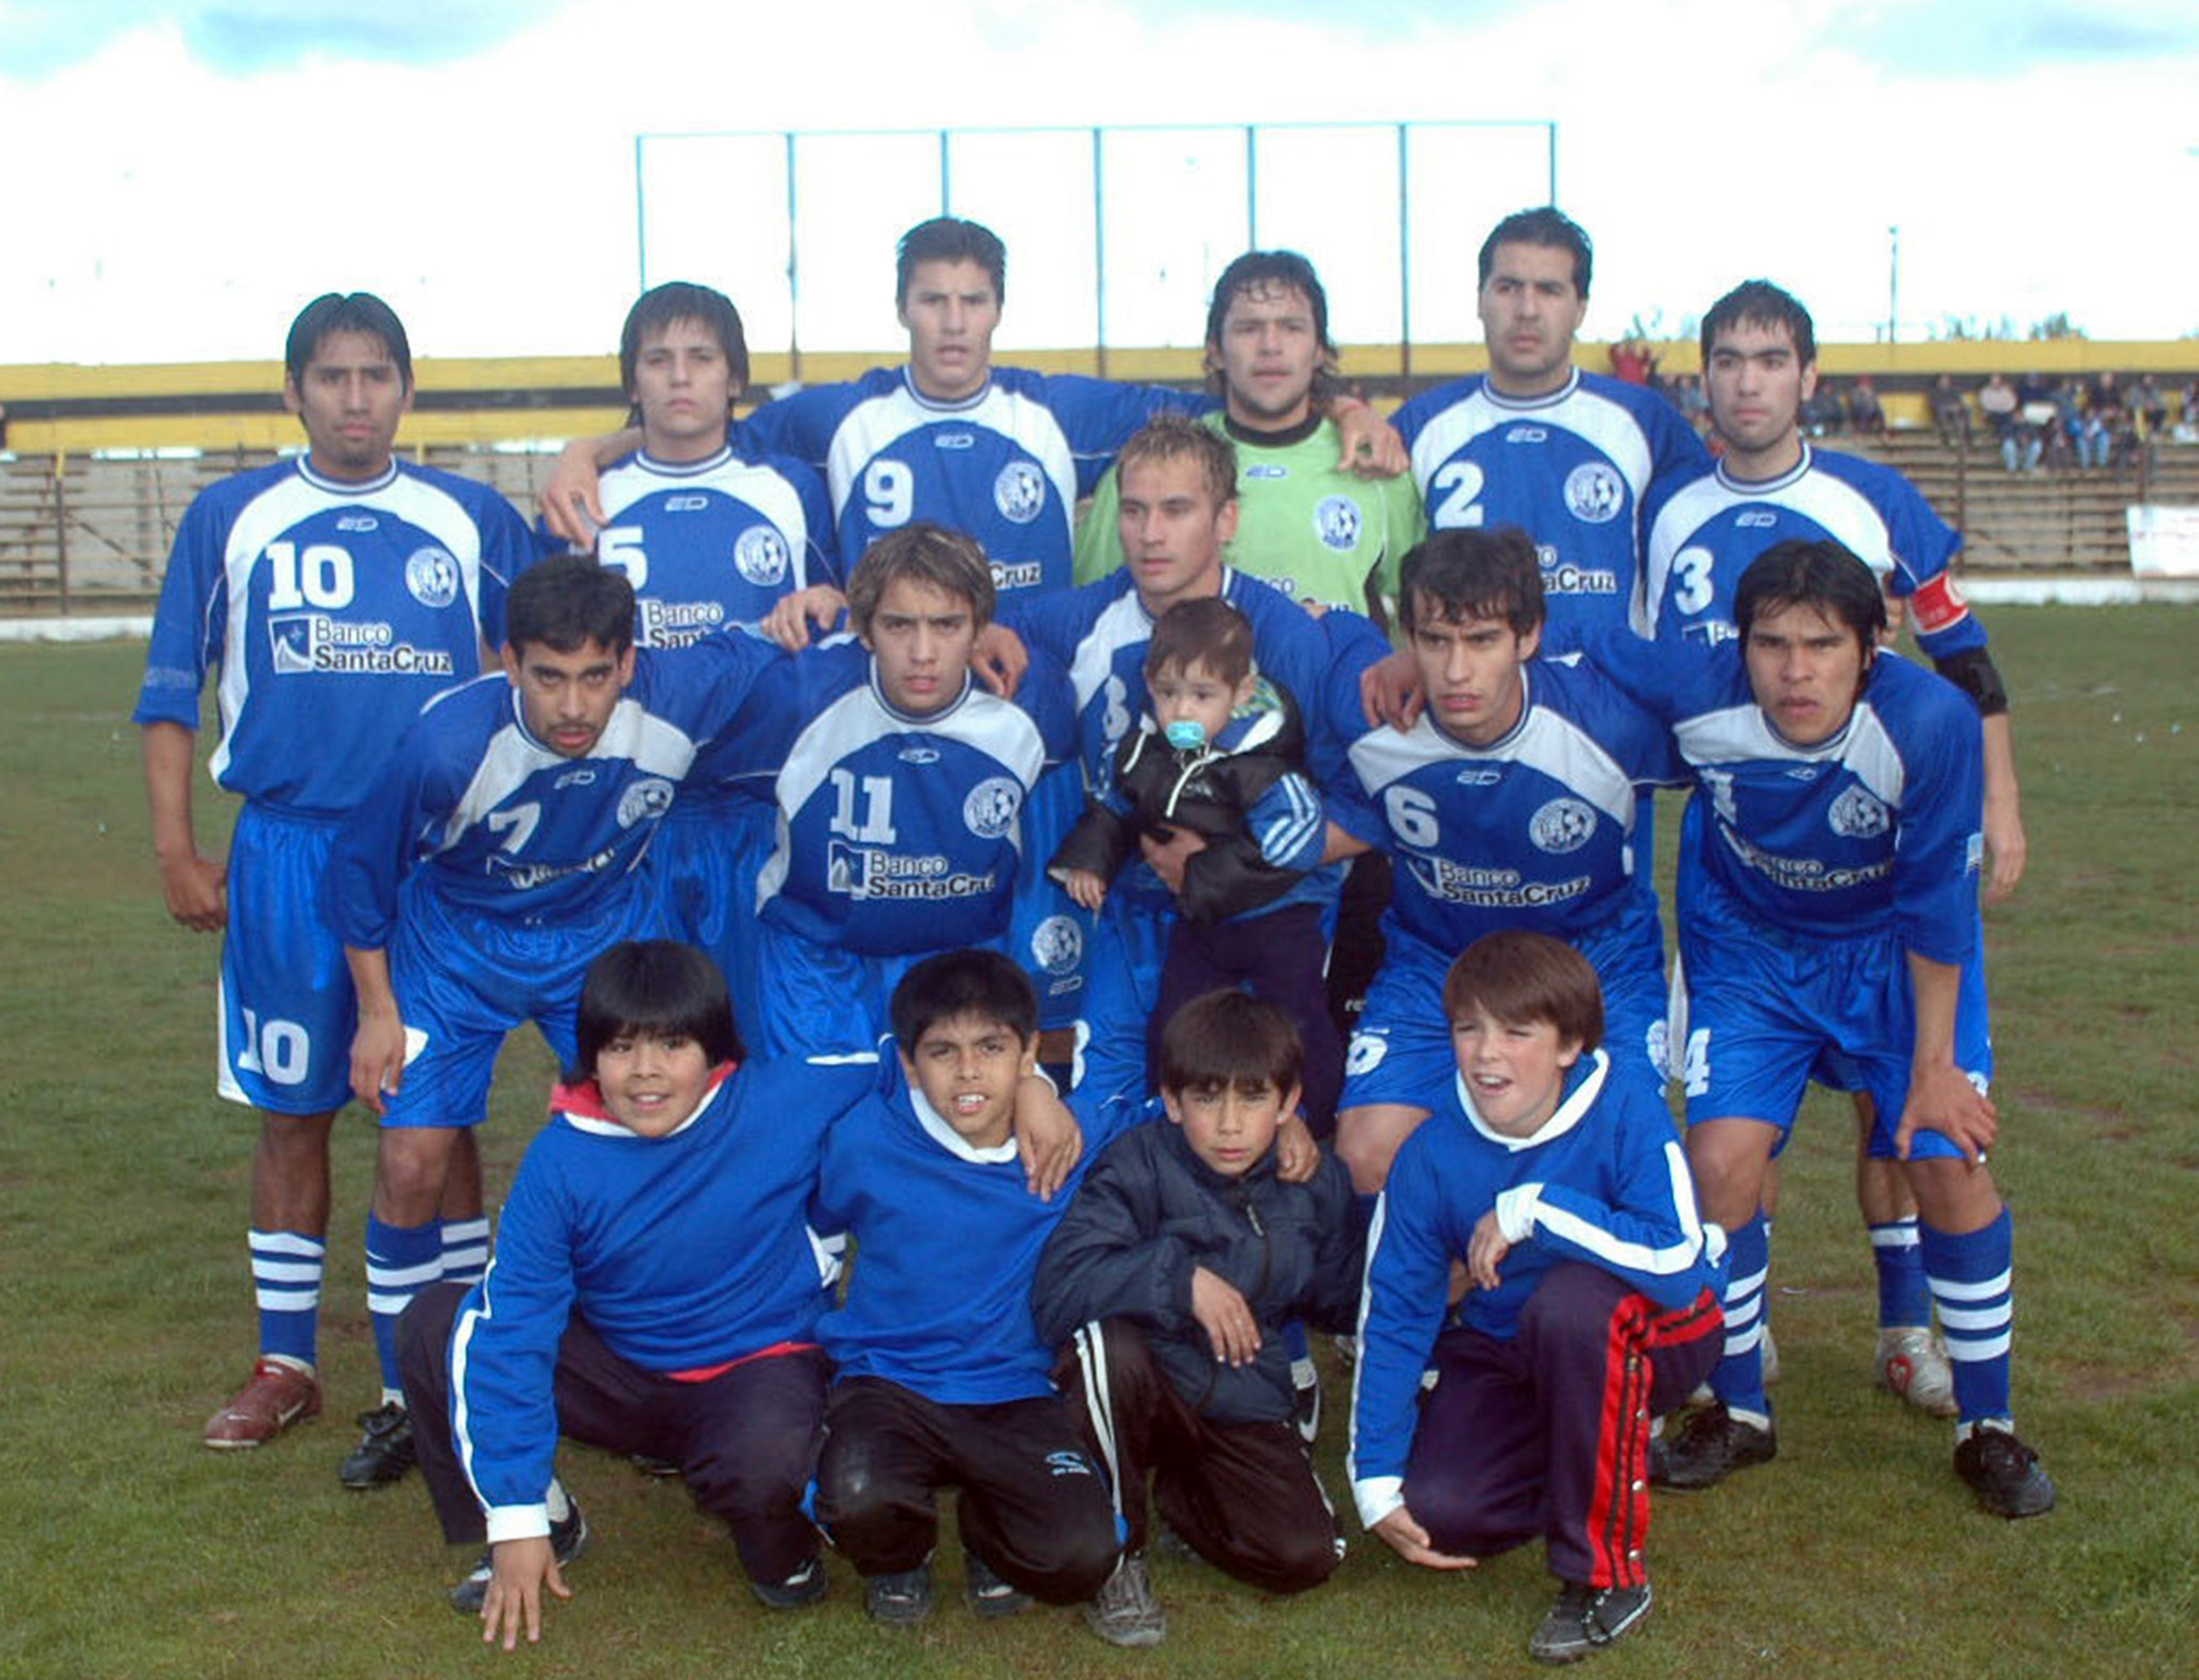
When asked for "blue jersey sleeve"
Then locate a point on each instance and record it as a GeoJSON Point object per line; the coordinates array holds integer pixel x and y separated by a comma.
{"type": "Point", "coordinates": [1940, 846]}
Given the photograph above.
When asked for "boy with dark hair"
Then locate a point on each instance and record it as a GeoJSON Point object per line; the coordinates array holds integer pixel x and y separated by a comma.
{"type": "Point", "coordinates": [336, 593]}
{"type": "Point", "coordinates": [1594, 1303]}
{"type": "Point", "coordinates": [709, 534]}
{"type": "Point", "coordinates": [490, 863]}
{"type": "Point", "coordinates": [1174, 1274]}
{"type": "Point", "coordinates": [1219, 757]}
{"type": "Point", "coordinates": [943, 1379]}
{"type": "Point", "coordinates": [654, 1290]}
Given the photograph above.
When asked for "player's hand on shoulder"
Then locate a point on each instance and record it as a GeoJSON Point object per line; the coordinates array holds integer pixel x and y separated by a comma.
{"type": "Point", "coordinates": [571, 501]}
{"type": "Point", "coordinates": [790, 623]}
{"type": "Point", "coordinates": [1085, 886]}
{"type": "Point", "coordinates": [1298, 1157]}
{"type": "Point", "coordinates": [196, 890]}
{"type": "Point", "coordinates": [1000, 659]}
{"type": "Point", "coordinates": [1048, 1140]}
{"type": "Point", "coordinates": [1389, 692]}
{"type": "Point", "coordinates": [1371, 447]}
{"type": "Point", "coordinates": [519, 1572]}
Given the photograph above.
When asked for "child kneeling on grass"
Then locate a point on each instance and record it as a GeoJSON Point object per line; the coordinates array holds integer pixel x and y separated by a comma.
{"type": "Point", "coordinates": [654, 1290]}
{"type": "Point", "coordinates": [943, 1379]}
{"type": "Point", "coordinates": [1171, 1277]}
{"type": "Point", "coordinates": [1592, 1306]}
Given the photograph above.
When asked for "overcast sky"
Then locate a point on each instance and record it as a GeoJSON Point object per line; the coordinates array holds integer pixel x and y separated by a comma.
{"type": "Point", "coordinates": [180, 178]}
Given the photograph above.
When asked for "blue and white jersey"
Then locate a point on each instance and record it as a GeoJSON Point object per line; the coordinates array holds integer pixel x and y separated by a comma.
{"type": "Point", "coordinates": [1570, 467]}
{"type": "Point", "coordinates": [495, 822]}
{"type": "Point", "coordinates": [333, 612]}
{"type": "Point", "coordinates": [898, 833]}
{"type": "Point", "coordinates": [1702, 534]}
{"type": "Point", "coordinates": [1536, 830]}
{"type": "Point", "coordinates": [683, 1252]}
{"type": "Point", "coordinates": [1099, 635]}
{"type": "Point", "coordinates": [947, 1242]}
{"type": "Point", "coordinates": [1603, 1181]}
{"type": "Point", "coordinates": [712, 542]}
{"type": "Point", "coordinates": [1006, 465]}
{"type": "Point", "coordinates": [1874, 831]}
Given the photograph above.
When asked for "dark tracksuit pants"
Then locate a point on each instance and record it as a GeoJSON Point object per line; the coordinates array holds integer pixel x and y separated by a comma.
{"type": "Point", "coordinates": [1548, 1434]}
{"type": "Point", "coordinates": [1242, 1494]}
{"type": "Point", "coordinates": [1034, 1507]}
{"type": "Point", "coordinates": [745, 1440]}
{"type": "Point", "coordinates": [1281, 957]}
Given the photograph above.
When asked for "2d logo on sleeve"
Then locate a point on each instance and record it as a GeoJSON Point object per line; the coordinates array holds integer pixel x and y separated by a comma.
{"type": "Point", "coordinates": [1057, 944]}
{"type": "Point", "coordinates": [1562, 826]}
{"type": "Point", "coordinates": [760, 555]}
{"type": "Point", "coordinates": [1856, 816]}
{"type": "Point", "coordinates": [431, 576]}
{"type": "Point", "coordinates": [644, 801]}
{"type": "Point", "coordinates": [1368, 1049]}
{"type": "Point", "coordinates": [991, 810]}
{"type": "Point", "coordinates": [1019, 491]}
{"type": "Point", "coordinates": [1594, 492]}
{"type": "Point", "coordinates": [1336, 521]}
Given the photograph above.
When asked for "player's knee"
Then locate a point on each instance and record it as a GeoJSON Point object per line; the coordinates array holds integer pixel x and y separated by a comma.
{"type": "Point", "coordinates": [410, 1167]}
{"type": "Point", "coordinates": [1367, 1142]}
{"type": "Point", "coordinates": [1301, 1559]}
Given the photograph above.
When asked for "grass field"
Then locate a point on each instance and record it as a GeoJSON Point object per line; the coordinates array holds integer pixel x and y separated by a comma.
{"type": "Point", "coordinates": [126, 1549]}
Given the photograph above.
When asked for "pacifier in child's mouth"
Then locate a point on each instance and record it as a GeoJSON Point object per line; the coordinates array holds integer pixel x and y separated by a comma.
{"type": "Point", "coordinates": [1185, 734]}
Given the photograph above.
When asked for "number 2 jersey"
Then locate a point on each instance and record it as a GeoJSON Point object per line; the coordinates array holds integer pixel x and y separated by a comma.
{"type": "Point", "coordinates": [1572, 468]}
{"type": "Point", "coordinates": [334, 611]}
{"type": "Point", "coordinates": [1006, 465]}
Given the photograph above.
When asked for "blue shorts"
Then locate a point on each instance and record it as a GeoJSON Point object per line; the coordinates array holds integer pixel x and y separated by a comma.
{"type": "Point", "coordinates": [1761, 1008]}
{"type": "Point", "coordinates": [287, 1012]}
{"type": "Point", "coordinates": [465, 980]}
{"type": "Point", "coordinates": [1049, 933]}
{"type": "Point", "coordinates": [1402, 1052]}
{"type": "Point", "coordinates": [820, 1000]}
{"type": "Point", "coordinates": [700, 873]}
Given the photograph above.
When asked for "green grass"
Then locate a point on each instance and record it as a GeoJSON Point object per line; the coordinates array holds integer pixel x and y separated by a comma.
{"type": "Point", "coordinates": [126, 1549]}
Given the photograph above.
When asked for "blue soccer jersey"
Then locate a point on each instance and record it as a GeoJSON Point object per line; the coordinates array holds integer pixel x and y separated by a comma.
{"type": "Point", "coordinates": [499, 825]}
{"type": "Point", "coordinates": [1570, 467]}
{"type": "Point", "coordinates": [1701, 533]}
{"type": "Point", "coordinates": [712, 542]}
{"type": "Point", "coordinates": [900, 833]}
{"type": "Point", "coordinates": [1536, 830]}
{"type": "Point", "coordinates": [333, 612]}
{"type": "Point", "coordinates": [1875, 829]}
{"type": "Point", "coordinates": [1006, 465]}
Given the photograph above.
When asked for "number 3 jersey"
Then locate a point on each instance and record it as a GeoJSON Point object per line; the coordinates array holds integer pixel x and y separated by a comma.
{"type": "Point", "coordinates": [333, 612]}
{"type": "Point", "coordinates": [1570, 467]}
{"type": "Point", "coordinates": [900, 833]}
{"type": "Point", "coordinates": [1006, 465]}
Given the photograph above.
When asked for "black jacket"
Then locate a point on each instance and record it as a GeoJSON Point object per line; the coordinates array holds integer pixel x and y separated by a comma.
{"type": "Point", "coordinates": [1210, 792]}
{"type": "Point", "coordinates": [1149, 1211]}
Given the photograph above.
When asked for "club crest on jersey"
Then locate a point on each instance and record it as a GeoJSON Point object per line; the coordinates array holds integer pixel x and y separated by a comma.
{"type": "Point", "coordinates": [431, 577]}
{"type": "Point", "coordinates": [644, 801]}
{"type": "Point", "coordinates": [1594, 492]}
{"type": "Point", "coordinates": [1857, 816]}
{"type": "Point", "coordinates": [991, 810]}
{"type": "Point", "coordinates": [760, 555]}
{"type": "Point", "coordinates": [1368, 1049]}
{"type": "Point", "coordinates": [1562, 826]}
{"type": "Point", "coordinates": [1019, 492]}
{"type": "Point", "coordinates": [1057, 944]}
{"type": "Point", "coordinates": [1336, 522]}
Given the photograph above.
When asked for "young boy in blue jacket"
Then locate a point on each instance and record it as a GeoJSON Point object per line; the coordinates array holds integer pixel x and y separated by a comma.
{"type": "Point", "coordinates": [1184, 1254]}
{"type": "Point", "coordinates": [942, 1378]}
{"type": "Point", "coordinates": [1592, 1306]}
{"type": "Point", "coordinates": [654, 1289]}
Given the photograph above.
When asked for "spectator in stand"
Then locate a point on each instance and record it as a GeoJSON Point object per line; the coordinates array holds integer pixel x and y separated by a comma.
{"type": "Point", "coordinates": [1866, 415]}
{"type": "Point", "coordinates": [2041, 415]}
{"type": "Point", "coordinates": [2187, 410]}
{"type": "Point", "coordinates": [1687, 394]}
{"type": "Point", "coordinates": [2106, 419]}
{"type": "Point", "coordinates": [1951, 414]}
{"type": "Point", "coordinates": [1998, 403]}
{"type": "Point", "coordinates": [2146, 403]}
{"type": "Point", "coordinates": [1822, 411]}
{"type": "Point", "coordinates": [1633, 360]}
